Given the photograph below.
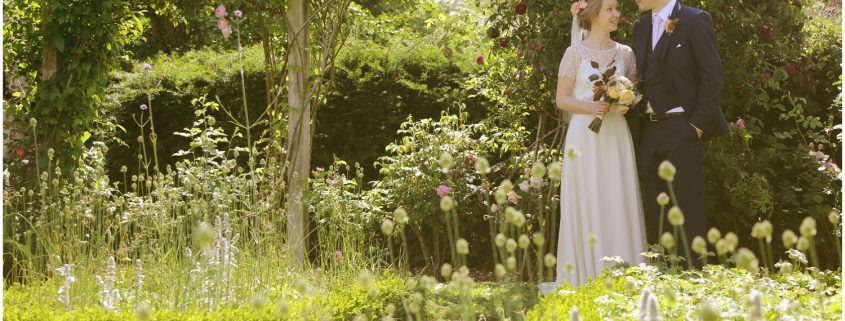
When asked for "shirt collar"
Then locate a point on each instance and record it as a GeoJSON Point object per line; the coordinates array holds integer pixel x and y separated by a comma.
{"type": "Point", "coordinates": [666, 11]}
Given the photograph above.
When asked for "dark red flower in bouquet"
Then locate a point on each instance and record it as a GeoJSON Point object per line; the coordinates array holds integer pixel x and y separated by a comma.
{"type": "Point", "coordinates": [521, 8]}
{"type": "Point", "coordinates": [536, 46]}
{"type": "Point", "coordinates": [519, 53]}
{"type": "Point", "coordinates": [19, 151]}
{"type": "Point", "coordinates": [480, 59]}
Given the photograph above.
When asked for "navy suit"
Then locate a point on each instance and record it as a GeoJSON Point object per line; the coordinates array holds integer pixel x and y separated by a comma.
{"type": "Point", "coordinates": [683, 69]}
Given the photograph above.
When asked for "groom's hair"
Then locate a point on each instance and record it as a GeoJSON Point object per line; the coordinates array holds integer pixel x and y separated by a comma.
{"type": "Point", "coordinates": [588, 13]}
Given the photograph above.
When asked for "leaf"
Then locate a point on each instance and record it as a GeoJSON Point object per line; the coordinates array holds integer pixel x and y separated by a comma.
{"type": "Point", "coordinates": [594, 77]}
{"type": "Point", "coordinates": [59, 42]}
{"type": "Point", "coordinates": [85, 136]}
{"type": "Point", "coordinates": [594, 64]}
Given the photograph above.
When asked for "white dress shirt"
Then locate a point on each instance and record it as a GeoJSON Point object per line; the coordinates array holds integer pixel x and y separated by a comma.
{"type": "Point", "coordinates": [658, 20]}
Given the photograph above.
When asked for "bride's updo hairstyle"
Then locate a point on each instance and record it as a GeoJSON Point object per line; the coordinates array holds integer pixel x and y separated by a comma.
{"type": "Point", "coordinates": [586, 15]}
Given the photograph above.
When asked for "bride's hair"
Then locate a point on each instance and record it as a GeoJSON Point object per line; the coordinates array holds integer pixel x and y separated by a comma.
{"type": "Point", "coordinates": [588, 13]}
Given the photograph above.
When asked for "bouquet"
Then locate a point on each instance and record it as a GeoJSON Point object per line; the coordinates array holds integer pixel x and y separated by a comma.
{"type": "Point", "coordinates": [615, 89]}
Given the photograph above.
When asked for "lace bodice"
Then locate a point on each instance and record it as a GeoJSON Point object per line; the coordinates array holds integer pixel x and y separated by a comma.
{"type": "Point", "coordinates": [578, 57]}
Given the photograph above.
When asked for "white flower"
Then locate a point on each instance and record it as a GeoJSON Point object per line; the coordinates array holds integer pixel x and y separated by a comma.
{"type": "Point", "coordinates": [572, 152]}
{"type": "Point", "coordinates": [387, 227]}
{"type": "Point", "coordinates": [538, 170]}
{"type": "Point", "coordinates": [446, 270]}
{"type": "Point", "coordinates": [482, 166]}
{"type": "Point", "coordinates": [667, 240]}
{"type": "Point", "coordinates": [446, 203]}
{"type": "Point", "coordinates": [713, 235]}
{"type": "Point", "coordinates": [676, 217]}
{"type": "Point", "coordinates": [510, 245]}
{"type": "Point", "coordinates": [511, 263]}
{"type": "Point", "coordinates": [539, 239]}
{"type": "Point", "coordinates": [803, 244]}
{"type": "Point", "coordinates": [500, 271]}
{"type": "Point", "coordinates": [666, 171]}
{"type": "Point", "coordinates": [662, 199]}
{"type": "Point", "coordinates": [524, 241]}
{"type": "Point", "coordinates": [550, 260]}
{"type": "Point", "coordinates": [400, 215]}
{"type": "Point", "coordinates": [445, 161]}
{"type": "Point", "coordinates": [755, 308]}
{"type": "Point", "coordinates": [555, 170]}
{"type": "Point", "coordinates": [789, 238]}
{"type": "Point", "coordinates": [833, 217]}
{"type": "Point", "coordinates": [746, 259]}
{"type": "Point", "coordinates": [462, 246]}
{"type": "Point", "coordinates": [808, 227]}
{"type": "Point", "coordinates": [500, 240]}
{"type": "Point", "coordinates": [699, 245]}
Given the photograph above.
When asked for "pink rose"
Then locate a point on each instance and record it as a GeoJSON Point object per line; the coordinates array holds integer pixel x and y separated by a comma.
{"type": "Point", "coordinates": [442, 190]}
{"type": "Point", "coordinates": [740, 123]}
{"type": "Point", "coordinates": [536, 182]}
{"type": "Point", "coordinates": [513, 197]}
{"type": "Point", "coordinates": [220, 12]}
{"type": "Point", "coordinates": [222, 24]}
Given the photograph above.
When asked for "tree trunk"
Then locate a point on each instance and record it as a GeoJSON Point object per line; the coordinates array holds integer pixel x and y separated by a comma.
{"type": "Point", "coordinates": [299, 127]}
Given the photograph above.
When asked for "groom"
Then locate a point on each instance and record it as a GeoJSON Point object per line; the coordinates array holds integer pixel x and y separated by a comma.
{"type": "Point", "coordinates": [681, 77]}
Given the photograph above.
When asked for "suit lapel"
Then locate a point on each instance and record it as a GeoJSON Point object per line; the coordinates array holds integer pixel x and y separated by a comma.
{"type": "Point", "coordinates": [663, 43]}
{"type": "Point", "coordinates": [644, 43]}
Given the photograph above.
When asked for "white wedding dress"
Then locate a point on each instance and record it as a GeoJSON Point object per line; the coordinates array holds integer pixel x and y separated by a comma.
{"type": "Point", "coordinates": [599, 193]}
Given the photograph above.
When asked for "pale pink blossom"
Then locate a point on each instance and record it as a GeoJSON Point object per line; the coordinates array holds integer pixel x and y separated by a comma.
{"type": "Point", "coordinates": [220, 11]}
{"type": "Point", "coordinates": [442, 190]}
{"type": "Point", "coordinates": [513, 197]}
{"type": "Point", "coordinates": [740, 123]}
{"type": "Point", "coordinates": [536, 182]}
{"type": "Point", "coordinates": [524, 186]}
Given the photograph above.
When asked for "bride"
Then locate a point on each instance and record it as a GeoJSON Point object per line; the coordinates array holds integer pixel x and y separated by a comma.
{"type": "Point", "coordinates": [601, 209]}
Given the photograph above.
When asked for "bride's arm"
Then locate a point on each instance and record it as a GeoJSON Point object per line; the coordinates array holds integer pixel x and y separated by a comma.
{"type": "Point", "coordinates": [565, 101]}
{"type": "Point", "coordinates": [565, 83]}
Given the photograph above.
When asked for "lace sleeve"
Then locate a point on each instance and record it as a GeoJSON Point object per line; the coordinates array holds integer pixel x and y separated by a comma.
{"type": "Point", "coordinates": [630, 61]}
{"type": "Point", "coordinates": [569, 63]}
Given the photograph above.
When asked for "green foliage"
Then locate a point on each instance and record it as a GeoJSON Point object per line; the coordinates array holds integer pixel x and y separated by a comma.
{"type": "Point", "coordinates": [616, 294]}
{"type": "Point", "coordinates": [65, 51]}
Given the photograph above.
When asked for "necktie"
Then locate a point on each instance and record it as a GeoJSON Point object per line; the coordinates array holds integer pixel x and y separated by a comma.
{"type": "Point", "coordinates": [657, 30]}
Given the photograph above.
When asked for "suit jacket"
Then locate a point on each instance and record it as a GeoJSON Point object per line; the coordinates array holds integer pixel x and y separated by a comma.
{"type": "Point", "coordinates": [688, 66]}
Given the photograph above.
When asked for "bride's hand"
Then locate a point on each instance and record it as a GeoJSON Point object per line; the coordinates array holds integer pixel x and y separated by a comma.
{"type": "Point", "coordinates": [599, 107]}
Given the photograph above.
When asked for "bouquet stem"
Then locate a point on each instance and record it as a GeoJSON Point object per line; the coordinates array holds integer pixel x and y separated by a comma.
{"type": "Point", "coordinates": [595, 125]}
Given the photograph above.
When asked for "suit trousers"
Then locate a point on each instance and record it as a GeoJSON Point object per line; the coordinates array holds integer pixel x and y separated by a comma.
{"type": "Point", "coordinates": [673, 139]}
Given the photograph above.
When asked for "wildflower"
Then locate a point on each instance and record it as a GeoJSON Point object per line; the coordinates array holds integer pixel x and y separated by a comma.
{"type": "Point", "coordinates": [511, 263]}
{"type": "Point", "coordinates": [510, 245]}
{"type": "Point", "coordinates": [446, 203]}
{"type": "Point", "coordinates": [536, 182]}
{"type": "Point", "coordinates": [500, 271]}
{"type": "Point", "coordinates": [713, 235]}
{"type": "Point", "coordinates": [662, 199]}
{"type": "Point", "coordinates": [803, 244]}
{"type": "Point", "coordinates": [808, 227]}
{"type": "Point", "coordinates": [500, 240]}
{"type": "Point", "coordinates": [755, 308]}
{"type": "Point", "coordinates": [387, 227]}
{"type": "Point", "coordinates": [699, 245]}
{"type": "Point", "coordinates": [549, 260]}
{"type": "Point", "coordinates": [538, 170]}
{"type": "Point", "coordinates": [740, 123]}
{"type": "Point", "coordinates": [722, 247]}
{"type": "Point", "coordinates": [666, 171]}
{"type": "Point", "coordinates": [572, 152]}
{"type": "Point", "coordinates": [148, 67]}
{"type": "Point", "coordinates": [555, 170]}
{"type": "Point", "coordinates": [33, 122]}
{"type": "Point", "coordinates": [445, 161]}
{"type": "Point", "coordinates": [143, 107]}
{"type": "Point", "coordinates": [482, 166]}
{"type": "Point", "coordinates": [442, 190]}
{"type": "Point", "coordinates": [539, 239]}
{"type": "Point", "coordinates": [733, 240]}
{"type": "Point", "coordinates": [789, 238]}
{"type": "Point", "coordinates": [500, 195]}
{"type": "Point", "coordinates": [524, 241]}
{"type": "Point", "coordinates": [676, 217]}
{"type": "Point", "coordinates": [513, 197]}
{"type": "Point", "coordinates": [446, 270]}
{"type": "Point", "coordinates": [144, 311]}
{"type": "Point", "coordinates": [745, 259]}
{"type": "Point", "coordinates": [401, 216]}
{"type": "Point", "coordinates": [707, 312]}
{"type": "Point", "coordinates": [239, 14]}
{"type": "Point", "coordinates": [785, 267]}
{"type": "Point", "coordinates": [667, 240]}
{"type": "Point", "coordinates": [524, 186]}
{"type": "Point", "coordinates": [462, 246]}
{"type": "Point", "coordinates": [220, 11]}
{"type": "Point", "coordinates": [222, 24]}
{"type": "Point", "coordinates": [833, 217]}
{"type": "Point", "coordinates": [494, 208]}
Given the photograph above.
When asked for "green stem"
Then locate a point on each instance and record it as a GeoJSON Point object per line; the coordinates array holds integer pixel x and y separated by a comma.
{"type": "Point", "coordinates": [686, 249]}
